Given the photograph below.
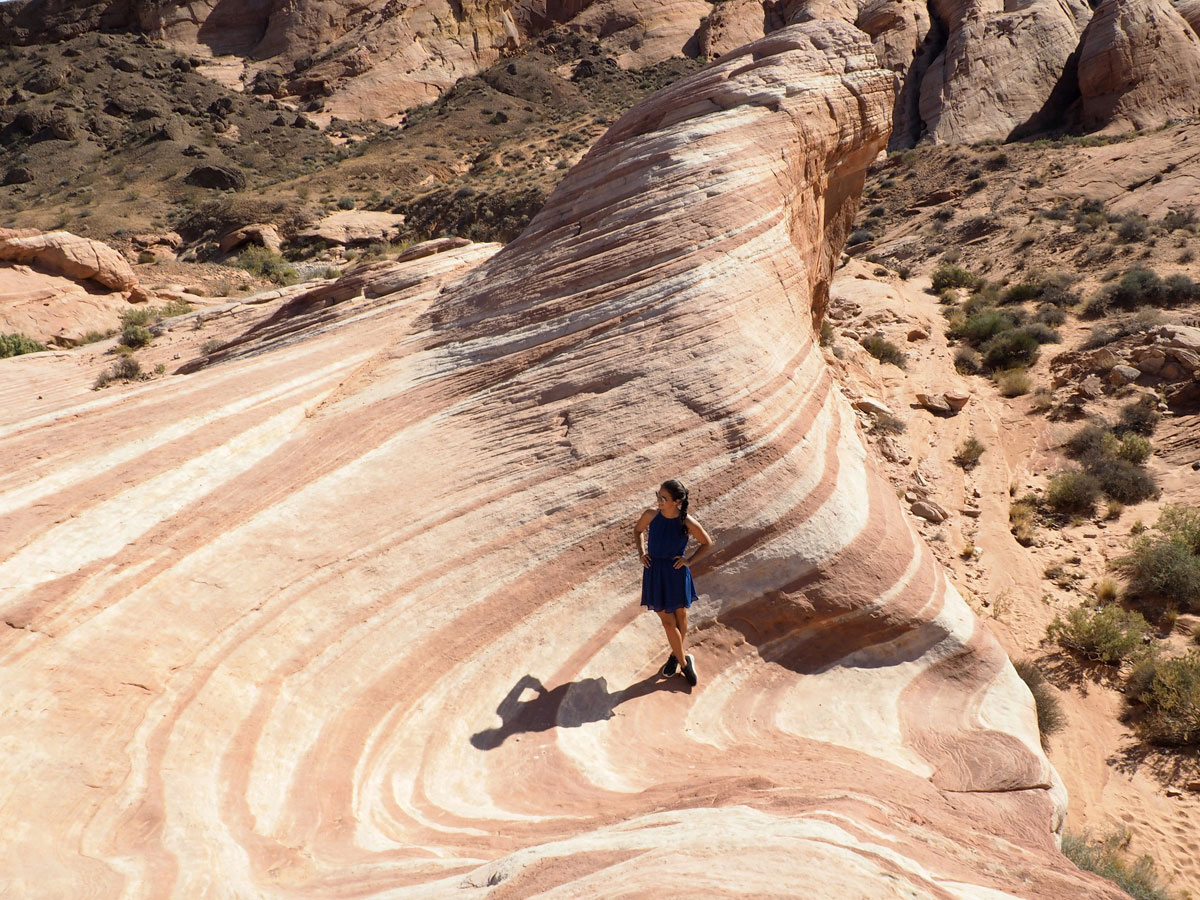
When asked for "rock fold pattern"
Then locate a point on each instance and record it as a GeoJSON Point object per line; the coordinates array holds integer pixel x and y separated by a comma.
{"type": "Point", "coordinates": [355, 615]}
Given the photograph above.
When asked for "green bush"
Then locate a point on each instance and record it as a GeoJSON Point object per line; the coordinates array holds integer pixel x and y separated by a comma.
{"type": "Point", "coordinates": [1013, 382]}
{"type": "Point", "coordinates": [1170, 689]}
{"type": "Point", "coordinates": [1073, 493]}
{"type": "Point", "coordinates": [859, 236]}
{"type": "Point", "coordinates": [967, 455]}
{"type": "Point", "coordinates": [982, 325]}
{"type": "Point", "coordinates": [1122, 480]}
{"type": "Point", "coordinates": [1106, 858]}
{"type": "Point", "coordinates": [124, 369]}
{"type": "Point", "coordinates": [18, 345]}
{"type": "Point", "coordinates": [1091, 441]}
{"type": "Point", "coordinates": [1180, 218]}
{"type": "Point", "coordinates": [1010, 349]}
{"type": "Point", "coordinates": [1134, 448]}
{"type": "Point", "coordinates": [948, 276]}
{"type": "Point", "coordinates": [968, 361]}
{"type": "Point", "coordinates": [1133, 228]}
{"type": "Point", "coordinates": [884, 350]}
{"type": "Point", "coordinates": [139, 315]}
{"type": "Point", "coordinates": [1049, 314]}
{"type": "Point", "coordinates": [1050, 717]}
{"type": "Point", "coordinates": [345, 203]}
{"type": "Point", "coordinates": [1042, 333]}
{"type": "Point", "coordinates": [1161, 570]}
{"type": "Point", "coordinates": [1022, 518]}
{"type": "Point", "coordinates": [136, 336]}
{"type": "Point", "coordinates": [886, 423]}
{"type": "Point", "coordinates": [266, 263]}
{"type": "Point", "coordinates": [1108, 635]}
{"type": "Point", "coordinates": [1181, 524]}
{"type": "Point", "coordinates": [1138, 418]}
{"type": "Point", "coordinates": [827, 335]}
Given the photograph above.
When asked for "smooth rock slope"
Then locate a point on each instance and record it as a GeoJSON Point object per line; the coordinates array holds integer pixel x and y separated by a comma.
{"type": "Point", "coordinates": [355, 615]}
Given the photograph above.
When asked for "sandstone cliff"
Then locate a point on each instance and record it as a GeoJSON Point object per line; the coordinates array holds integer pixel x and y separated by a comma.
{"type": "Point", "coordinates": [355, 615]}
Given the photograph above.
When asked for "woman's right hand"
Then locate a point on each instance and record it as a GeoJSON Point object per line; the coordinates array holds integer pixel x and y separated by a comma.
{"type": "Point", "coordinates": [645, 560]}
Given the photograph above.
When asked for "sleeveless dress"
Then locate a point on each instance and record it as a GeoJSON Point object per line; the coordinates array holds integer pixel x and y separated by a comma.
{"type": "Point", "coordinates": [665, 588]}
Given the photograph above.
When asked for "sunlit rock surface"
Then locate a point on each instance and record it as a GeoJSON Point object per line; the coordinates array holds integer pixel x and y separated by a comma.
{"type": "Point", "coordinates": [354, 613]}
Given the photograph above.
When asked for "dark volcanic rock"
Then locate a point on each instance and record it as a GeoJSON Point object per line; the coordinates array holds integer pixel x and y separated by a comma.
{"type": "Point", "coordinates": [221, 178]}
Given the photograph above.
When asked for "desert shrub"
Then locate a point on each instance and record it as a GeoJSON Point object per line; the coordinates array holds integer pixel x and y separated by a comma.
{"type": "Point", "coordinates": [1106, 634]}
{"type": "Point", "coordinates": [1013, 382]}
{"type": "Point", "coordinates": [1019, 293]}
{"type": "Point", "coordinates": [1180, 288]}
{"type": "Point", "coordinates": [1090, 441]}
{"type": "Point", "coordinates": [1170, 689]}
{"type": "Point", "coordinates": [1132, 228]}
{"type": "Point", "coordinates": [1105, 590]}
{"type": "Point", "coordinates": [1072, 493]}
{"type": "Point", "coordinates": [139, 315]}
{"type": "Point", "coordinates": [145, 258]}
{"type": "Point", "coordinates": [1050, 315]}
{"type": "Point", "coordinates": [92, 337]}
{"type": "Point", "coordinates": [1182, 525]}
{"type": "Point", "coordinates": [1010, 350]}
{"type": "Point", "coordinates": [1113, 511]}
{"type": "Point", "coordinates": [967, 361]}
{"type": "Point", "coordinates": [209, 347]}
{"type": "Point", "coordinates": [1042, 333]}
{"type": "Point", "coordinates": [136, 336]}
{"type": "Point", "coordinates": [173, 308]}
{"type": "Point", "coordinates": [1106, 857]}
{"type": "Point", "coordinates": [948, 276]}
{"type": "Point", "coordinates": [1122, 480]}
{"type": "Point", "coordinates": [1043, 399]}
{"type": "Point", "coordinates": [982, 325]}
{"type": "Point", "coordinates": [968, 454]}
{"type": "Point", "coordinates": [266, 263]}
{"type": "Point", "coordinates": [345, 203]}
{"type": "Point", "coordinates": [884, 350]}
{"type": "Point", "coordinates": [886, 423]}
{"type": "Point", "coordinates": [18, 345]}
{"type": "Point", "coordinates": [943, 213]}
{"type": "Point", "coordinates": [1134, 448]}
{"type": "Point", "coordinates": [1161, 571]}
{"type": "Point", "coordinates": [1050, 717]}
{"type": "Point", "coordinates": [859, 236]}
{"type": "Point", "coordinates": [1180, 218]}
{"type": "Point", "coordinates": [1022, 516]}
{"type": "Point", "coordinates": [124, 369]}
{"type": "Point", "coordinates": [1137, 417]}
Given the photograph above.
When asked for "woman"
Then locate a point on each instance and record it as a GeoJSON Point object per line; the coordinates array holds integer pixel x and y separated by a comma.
{"type": "Point", "coordinates": [667, 586]}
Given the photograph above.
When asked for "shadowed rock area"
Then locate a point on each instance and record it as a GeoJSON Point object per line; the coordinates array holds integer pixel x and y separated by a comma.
{"type": "Point", "coordinates": [355, 615]}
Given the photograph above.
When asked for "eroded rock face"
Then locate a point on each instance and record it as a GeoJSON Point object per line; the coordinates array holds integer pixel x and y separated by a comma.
{"type": "Point", "coordinates": [357, 614]}
{"type": "Point", "coordinates": [1139, 66]}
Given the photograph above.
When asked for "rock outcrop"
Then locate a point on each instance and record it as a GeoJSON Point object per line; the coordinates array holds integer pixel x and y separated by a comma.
{"type": "Point", "coordinates": [56, 286]}
{"type": "Point", "coordinates": [357, 615]}
{"type": "Point", "coordinates": [1139, 66]}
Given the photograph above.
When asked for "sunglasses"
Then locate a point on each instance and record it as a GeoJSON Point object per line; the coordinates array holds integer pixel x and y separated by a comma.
{"type": "Point", "coordinates": [661, 499]}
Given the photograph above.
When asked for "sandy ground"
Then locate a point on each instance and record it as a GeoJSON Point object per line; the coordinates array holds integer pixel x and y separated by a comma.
{"type": "Point", "coordinates": [1112, 780]}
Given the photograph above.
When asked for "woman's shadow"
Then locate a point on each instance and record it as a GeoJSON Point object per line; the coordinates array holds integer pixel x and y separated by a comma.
{"type": "Point", "coordinates": [566, 706]}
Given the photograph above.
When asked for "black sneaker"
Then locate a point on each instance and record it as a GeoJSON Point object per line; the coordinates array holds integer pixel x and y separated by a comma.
{"type": "Point", "coordinates": [689, 670]}
{"type": "Point", "coordinates": [671, 666]}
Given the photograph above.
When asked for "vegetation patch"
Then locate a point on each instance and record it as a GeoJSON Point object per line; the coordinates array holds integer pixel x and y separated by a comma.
{"type": "Point", "coordinates": [18, 345]}
{"type": "Point", "coordinates": [1108, 857]}
{"type": "Point", "coordinates": [1163, 568]}
{"type": "Point", "coordinates": [967, 456]}
{"type": "Point", "coordinates": [1108, 634]}
{"type": "Point", "coordinates": [1050, 716]}
{"type": "Point", "coordinates": [884, 350]}
{"type": "Point", "coordinates": [1169, 689]}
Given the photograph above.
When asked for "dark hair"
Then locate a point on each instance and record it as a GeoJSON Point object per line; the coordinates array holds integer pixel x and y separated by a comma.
{"type": "Point", "coordinates": [680, 493]}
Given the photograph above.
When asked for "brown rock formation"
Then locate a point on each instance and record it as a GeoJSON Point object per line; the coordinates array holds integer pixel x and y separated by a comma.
{"type": "Point", "coordinates": [1139, 66]}
{"type": "Point", "coordinates": [332, 621]}
{"type": "Point", "coordinates": [57, 286]}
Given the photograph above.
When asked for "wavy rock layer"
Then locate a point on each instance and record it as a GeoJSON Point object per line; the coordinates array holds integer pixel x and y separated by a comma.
{"type": "Point", "coordinates": [325, 621]}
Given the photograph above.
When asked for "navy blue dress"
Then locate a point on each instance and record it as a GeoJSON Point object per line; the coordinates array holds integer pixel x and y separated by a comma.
{"type": "Point", "coordinates": [665, 588]}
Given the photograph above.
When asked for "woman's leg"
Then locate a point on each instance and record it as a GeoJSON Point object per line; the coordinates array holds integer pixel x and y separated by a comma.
{"type": "Point", "coordinates": [674, 638]}
{"type": "Point", "coordinates": [681, 624]}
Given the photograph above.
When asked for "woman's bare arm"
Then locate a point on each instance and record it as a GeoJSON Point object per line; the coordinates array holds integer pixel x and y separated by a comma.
{"type": "Point", "coordinates": [696, 530]}
{"type": "Point", "coordinates": [639, 529]}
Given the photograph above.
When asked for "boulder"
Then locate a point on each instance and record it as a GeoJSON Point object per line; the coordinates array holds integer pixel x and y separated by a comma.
{"type": "Point", "coordinates": [1090, 388]}
{"type": "Point", "coordinates": [1104, 359]}
{"type": "Point", "coordinates": [1149, 359]}
{"type": "Point", "coordinates": [1186, 337]}
{"type": "Point", "coordinates": [918, 334]}
{"type": "Point", "coordinates": [75, 257]}
{"type": "Point", "coordinates": [930, 511]}
{"type": "Point", "coordinates": [957, 399]}
{"type": "Point", "coordinates": [260, 234]}
{"type": "Point", "coordinates": [355, 227]}
{"type": "Point", "coordinates": [216, 177]}
{"type": "Point", "coordinates": [1121, 375]}
{"type": "Point", "coordinates": [1139, 66]}
{"type": "Point", "coordinates": [936, 403]}
{"type": "Point", "coordinates": [872, 406]}
{"type": "Point", "coordinates": [18, 175]}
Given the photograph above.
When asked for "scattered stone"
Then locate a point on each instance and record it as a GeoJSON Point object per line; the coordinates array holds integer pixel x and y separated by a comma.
{"type": "Point", "coordinates": [1149, 359]}
{"type": "Point", "coordinates": [1121, 375]}
{"type": "Point", "coordinates": [957, 399]}
{"type": "Point", "coordinates": [918, 334]}
{"type": "Point", "coordinates": [1193, 785]}
{"type": "Point", "coordinates": [930, 511]}
{"type": "Point", "coordinates": [18, 175]}
{"type": "Point", "coordinates": [1104, 359]}
{"type": "Point", "coordinates": [971, 512]}
{"type": "Point", "coordinates": [872, 406]}
{"type": "Point", "coordinates": [936, 403]}
{"type": "Point", "coordinates": [1090, 388]}
{"type": "Point", "coordinates": [893, 452]}
{"type": "Point", "coordinates": [221, 178]}
{"type": "Point", "coordinates": [1174, 792]}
